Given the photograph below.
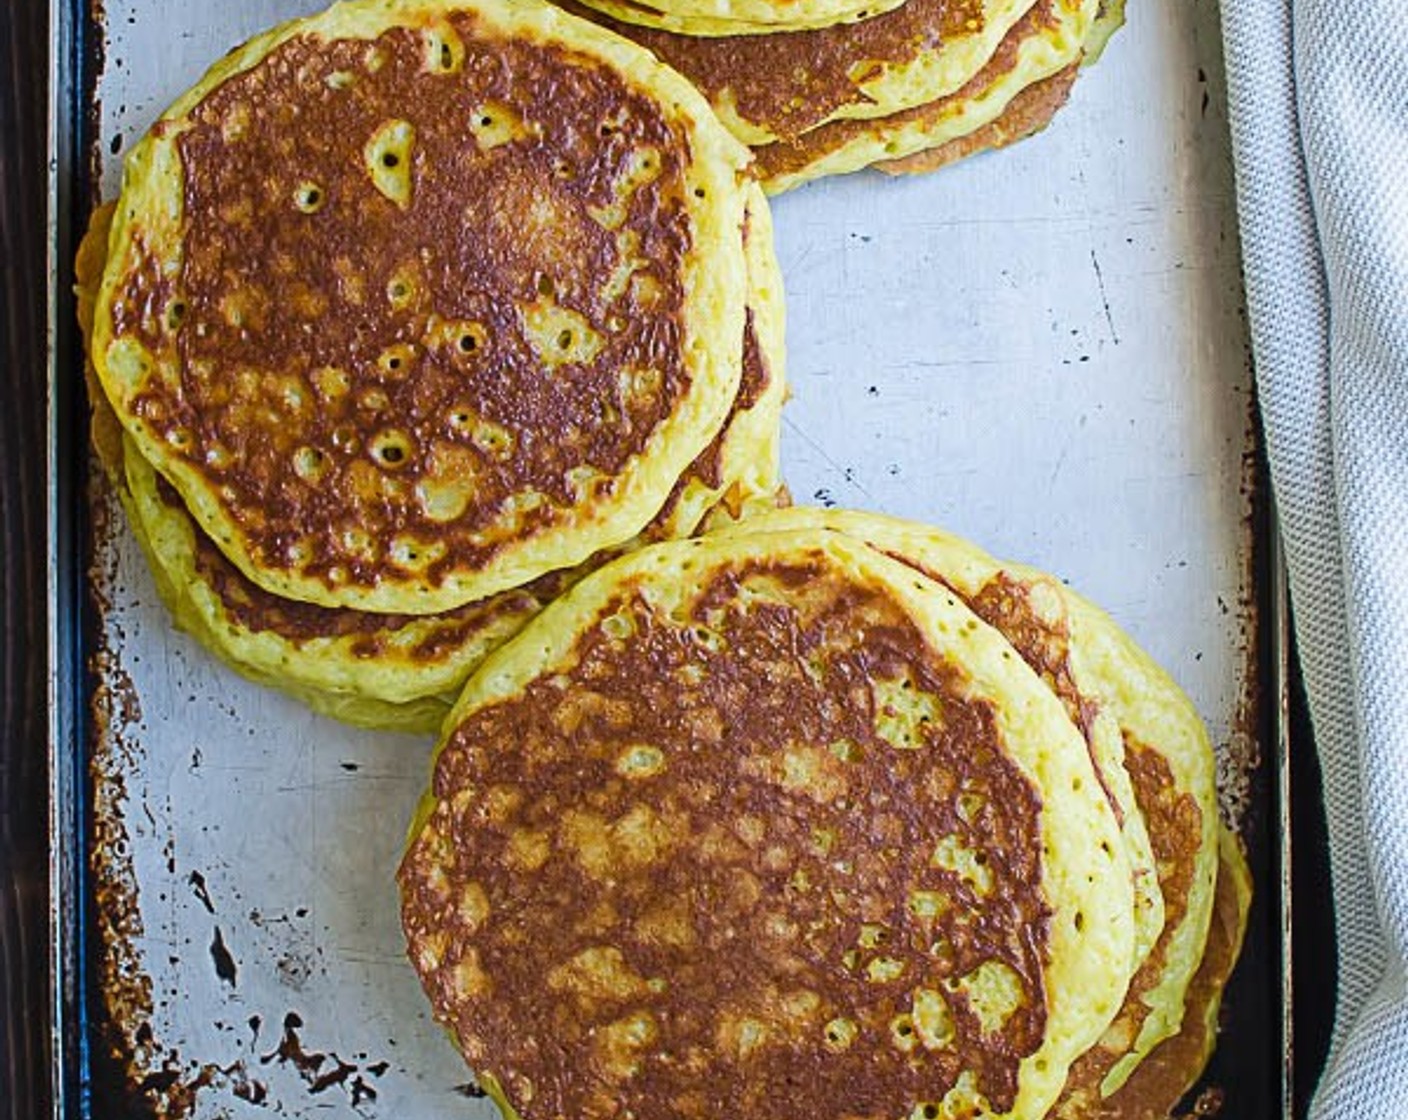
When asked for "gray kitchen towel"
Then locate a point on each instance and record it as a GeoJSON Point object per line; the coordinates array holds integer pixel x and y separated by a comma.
{"type": "Point", "coordinates": [1318, 93]}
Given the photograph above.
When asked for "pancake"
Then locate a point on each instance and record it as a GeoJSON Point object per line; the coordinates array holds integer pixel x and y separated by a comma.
{"type": "Point", "coordinates": [105, 431]}
{"type": "Point", "coordinates": [1174, 1066]}
{"type": "Point", "coordinates": [413, 303]}
{"type": "Point", "coordinates": [1048, 39]}
{"type": "Point", "coordinates": [1029, 610]}
{"type": "Point", "coordinates": [779, 86]}
{"type": "Point", "coordinates": [1026, 114]}
{"type": "Point", "coordinates": [1170, 761]}
{"type": "Point", "coordinates": [1148, 744]}
{"type": "Point", "coordinates": [766, 817]}
{"type": "Point", "coordinates": [1108, 20]}
{"type": "Point", "coordinates": [712, 18]}
{"type": "Point", "coordinates": [403, 672]}
{"type": "Point", "coordinates": [740, 470]}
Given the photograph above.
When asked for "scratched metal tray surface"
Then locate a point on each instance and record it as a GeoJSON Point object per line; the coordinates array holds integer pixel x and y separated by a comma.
{"type": "Point", "coordinates": [1044, 348]}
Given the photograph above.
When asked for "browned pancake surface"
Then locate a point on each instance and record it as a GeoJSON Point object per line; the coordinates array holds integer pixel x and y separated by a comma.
{"type": "Point", "coordinates": [253, 608]}
{"type": "Point", "coordinates": [336, 350]}
{"type": "Point", "coordinates": [1155, 1088]}
{"type": "Point", "coordinates": [791, 156]}
{"type": "Point", "coordinates": [629, 902]}
{"type": "Point", "coordinates": [250, 606]}
{"type": "Point", "coordinates": [792, 81]}
{"type": "Point", "coordinates": [1029, 112]}
{"type": "Point", "coordinates": [1175, 826]}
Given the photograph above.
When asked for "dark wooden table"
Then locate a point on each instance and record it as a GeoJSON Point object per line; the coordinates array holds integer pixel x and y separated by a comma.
{"type": "Point", "coordinates": [24, 857]}
{"type": "Point", "coordinates": [25, 1052]}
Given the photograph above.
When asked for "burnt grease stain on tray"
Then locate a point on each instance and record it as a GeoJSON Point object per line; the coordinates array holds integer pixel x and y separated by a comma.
{"type": "Point", "coordinates": [136, 1075]}
{"type": "Point", "coordinates": [198, 887]}
{"type": "Point", "coordinates": [225, 967]}
{"type": "Point", "coordinates": [171, 1091]}
{"type": "Point", "coordinates": [321, 1071]}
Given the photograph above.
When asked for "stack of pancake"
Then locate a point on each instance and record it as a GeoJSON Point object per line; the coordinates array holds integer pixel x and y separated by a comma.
{"type": "Point", "coordinates": [824, 814]}
{"type": "Point", "coordinates": [824, 87]}
{"type": "Point", "coordinates": [408, 315]}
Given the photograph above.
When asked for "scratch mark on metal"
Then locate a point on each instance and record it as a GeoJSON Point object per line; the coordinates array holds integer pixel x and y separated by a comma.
{"type": "Point", "coordinates": [820, 450]}
{"type": "Point", "coordinates": [1104, 298]}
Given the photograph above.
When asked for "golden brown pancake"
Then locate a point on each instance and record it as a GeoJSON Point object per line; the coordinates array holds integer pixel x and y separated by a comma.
{"type": "Point", "coordinates": [1030, 610]}
{"type": "Point", "coordinates": [1165, 1076]}
{"type": "Point", "coordinates": [1027, 114]}
{"type": "Point", "coordinates": [760, 818]}
{"type": "Point", "coordinates": [1047, 40]}
{"type": "Point", "coordinates": [413, 303]}
{"type": "Point", "coordinates": [779, 86]}
{"type": "Point", "coordinates": [707, 18]}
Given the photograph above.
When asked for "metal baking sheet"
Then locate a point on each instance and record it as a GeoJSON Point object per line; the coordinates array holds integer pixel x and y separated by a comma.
{"type": "Point", "coordinates": [1044, 349]}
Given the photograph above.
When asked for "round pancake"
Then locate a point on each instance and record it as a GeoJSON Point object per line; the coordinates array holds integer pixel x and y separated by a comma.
{"type": "Point", "coordinates": [1029, 610]}
{"type": "Point", "coordinates": [414, 302]}
{"type": "Point", "coordinates": [1047, 39]}
{"type": "Point", "coordinates": [402, 672]}
{"type": "Point", "coordinates": [711, 18]}
{"type": "Point", "coordinates": [766, 87]}
{"type": "Point", "coordinates": [1150, 746]}
{"type": "Point", "coordinates": [766, 817]}
{"type": "Point", "coordinates": [1174, 1066]}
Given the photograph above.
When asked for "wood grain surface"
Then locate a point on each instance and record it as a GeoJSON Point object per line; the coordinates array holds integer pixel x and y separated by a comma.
{"type": "Point", "coordinates": [24, 859]}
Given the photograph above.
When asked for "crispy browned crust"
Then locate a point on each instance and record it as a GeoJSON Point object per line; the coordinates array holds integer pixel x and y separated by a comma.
{"type": "Point", "coordinates": [789, 82]}
{"type": "Point", "coordinates": [700, 937]}
{"type": "Point", "coordinates": [324, 378]}
{"type": "Point", "coordinates": [1155, 1088]}
{"type": "Point", "coordinates": [787, 157]}
{"type": "Point", "coordinates": [1028, 113]}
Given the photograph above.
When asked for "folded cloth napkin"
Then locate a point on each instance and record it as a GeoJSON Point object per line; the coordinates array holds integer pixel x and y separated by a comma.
{"type": "Point", "coordinates": [1318, 93]}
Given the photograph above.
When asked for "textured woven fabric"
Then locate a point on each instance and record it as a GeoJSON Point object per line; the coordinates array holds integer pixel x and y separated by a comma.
{"type": "Point", "coordinates": [1318, 92]}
